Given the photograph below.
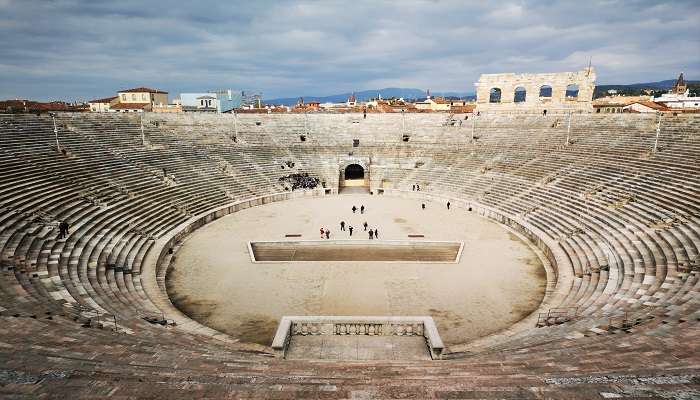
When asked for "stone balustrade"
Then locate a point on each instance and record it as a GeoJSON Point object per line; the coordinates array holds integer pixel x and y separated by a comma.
{"type": "Point", "coordinates": [290, 326]}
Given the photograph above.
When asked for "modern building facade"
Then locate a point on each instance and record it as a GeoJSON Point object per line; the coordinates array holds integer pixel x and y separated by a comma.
{"type": "Point", "coordinates": [219, 101]}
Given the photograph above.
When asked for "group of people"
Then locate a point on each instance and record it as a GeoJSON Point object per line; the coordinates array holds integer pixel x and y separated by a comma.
{"type": "Point", "coordinates": [301, 181]}
{"type": "Point", "coordinates": [63, 229]}
{"type": "Point", "coordinates": [372, 233]}
{"type": "Point", "coordinates": [362, 209]}
{"type": "Point", "coordinates": [416, 188]}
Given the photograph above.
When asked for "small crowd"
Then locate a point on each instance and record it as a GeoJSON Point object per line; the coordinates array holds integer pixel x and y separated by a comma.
{"type": "Point", "coordinates": [301, 181]}
{"type": "Point", "coordinates": [371, 233]}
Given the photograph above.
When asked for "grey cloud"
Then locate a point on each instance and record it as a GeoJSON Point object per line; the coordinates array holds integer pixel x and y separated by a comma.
{"type": "Point", "coordinates": [80, 49]}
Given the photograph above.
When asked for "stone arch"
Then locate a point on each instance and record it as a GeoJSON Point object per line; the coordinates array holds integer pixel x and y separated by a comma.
{"type": "Point", "coordinates": [350, 165]}
{"type": "Point", "coordinates": [354, 171]}
{"type": "Point", "coordinates": [520, 94]}
{"type": "Point", "coordinates": [352, 160]}
{"type": "Point", "coordinates": [571, 91]}
{"type": "Point", "coordinates": [495, 95]}
{"type": "Point", "coordinates": [546, 91]}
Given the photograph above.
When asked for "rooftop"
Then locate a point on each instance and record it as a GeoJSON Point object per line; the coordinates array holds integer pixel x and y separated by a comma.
{"type": "Point", "coordinates": [105, 100]}
{"type": "Point", "coordinates": [130, 106]}
{"type": "Point", "coordinates": [142, 90]}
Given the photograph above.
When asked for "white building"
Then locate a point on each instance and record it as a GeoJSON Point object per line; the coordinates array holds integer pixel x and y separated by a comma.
{"type": "Point", "coordinates": [679, 97]}
{"type": "Point", "coordinates": [215, 101]}
{"type": "Point", "coordinates": [102, 105]}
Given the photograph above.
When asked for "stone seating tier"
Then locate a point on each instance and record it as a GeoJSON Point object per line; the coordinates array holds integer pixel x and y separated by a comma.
{"type": "Point", "coordinates": [618, 221]}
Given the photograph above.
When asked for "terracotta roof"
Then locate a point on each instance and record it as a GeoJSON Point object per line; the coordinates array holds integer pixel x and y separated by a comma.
{"type": "Point", "coordinates": [651, 104]}
{"type": "Point", "coordinates": [37, 106]}
{"type": "Point", "coordinates": [105, 100]}
{"type": "Point", "coordinates": [141, 90]}
{"type": "Point", "coordinates": [130, 106]}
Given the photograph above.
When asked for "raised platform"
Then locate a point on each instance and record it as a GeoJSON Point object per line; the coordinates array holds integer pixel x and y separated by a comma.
{"type": "Point", "coordinates": [356, 250]}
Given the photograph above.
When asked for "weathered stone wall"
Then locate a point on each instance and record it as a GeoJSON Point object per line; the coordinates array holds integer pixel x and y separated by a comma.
{"type": "Point", "coordinates": [509, 82]}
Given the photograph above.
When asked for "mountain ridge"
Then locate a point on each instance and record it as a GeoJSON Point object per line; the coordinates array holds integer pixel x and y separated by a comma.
{"type": "Point", "coordinates": [413, 93]}
{"type": "Point", "coordinates": [363, 95]}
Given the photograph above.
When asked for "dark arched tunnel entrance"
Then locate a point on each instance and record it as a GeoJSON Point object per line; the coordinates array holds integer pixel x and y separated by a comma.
{"type": "Point", "coordinates": [354, 171]}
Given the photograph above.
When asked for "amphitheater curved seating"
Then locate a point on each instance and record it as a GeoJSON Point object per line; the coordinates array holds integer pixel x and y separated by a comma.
{"type": "Point", "coordinates": [620, 223]}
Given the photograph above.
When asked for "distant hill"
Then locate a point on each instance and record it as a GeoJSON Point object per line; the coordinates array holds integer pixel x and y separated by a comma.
{"type": "Point", "coordinates": [636, 88]}
{"type": "Point", "coordinates": [413, 94]}
{"type": "Point", "coordinates": [386, 93]}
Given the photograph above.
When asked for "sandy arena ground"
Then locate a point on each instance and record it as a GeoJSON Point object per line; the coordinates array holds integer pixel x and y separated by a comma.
{"type": "Point", "coordinates": [498, 280]}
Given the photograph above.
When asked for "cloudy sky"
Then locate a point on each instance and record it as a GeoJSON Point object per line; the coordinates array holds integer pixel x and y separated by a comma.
{"type": "Point", "coordinates": [83, 49]}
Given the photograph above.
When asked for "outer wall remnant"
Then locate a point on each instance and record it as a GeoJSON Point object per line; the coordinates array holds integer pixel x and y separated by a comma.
{"type": "Point", "coordinates": [508, 82]}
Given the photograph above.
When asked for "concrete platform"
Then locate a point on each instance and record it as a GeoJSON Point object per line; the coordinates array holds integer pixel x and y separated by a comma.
{"type": "Point", "coordinates": [346, 250]}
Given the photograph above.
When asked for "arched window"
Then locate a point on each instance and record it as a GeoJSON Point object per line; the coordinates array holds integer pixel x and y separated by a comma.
{"type": "Point", "coordinates": [520, 94]}
{"type": "Point", "coordinates": [495, 95]}
{"type": "Point", "coordinates": [571, 91]}
{"type": "Point", "coordinates": [545, 91]}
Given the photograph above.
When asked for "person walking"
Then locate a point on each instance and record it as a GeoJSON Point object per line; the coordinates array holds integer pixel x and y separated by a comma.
{"type": "Point", "coordinates": [350, 228]}
{"type": "Point", "coordinates": [354, 209]}
{"type": "Point", "coordinates": [376, 233]}
{"type": "Point", "coordinates": [365, 225]}
{"type": "Point", "coordinates": [328, 233]}
{"type": "Point", "coordinates": [362, 209]}
{"type": "Point", "coordinates": [321, 233]}
{"type": "Point", "coordinates": [371, 234]}
{"type": "Point", "coordinates": [414, 187]}
{"type": "Point", "coordinates": [423, 206]}
{"type": "Point", "coordinates": [342, 225]}
{"type": "Point", "coordinates": [448, 205]}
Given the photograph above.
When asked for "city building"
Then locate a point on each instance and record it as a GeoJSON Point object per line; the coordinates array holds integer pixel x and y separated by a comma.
{"type": "Point", "coordinates": [434, 104]}
{"type": "Point", "coordinates": [219, 101]}
{"type": "Point", "coordinates": [102, 105]}
{"type": "Point", "coordinates": [139, 100]}
{"type": "Point", "coordinates": [645, 107]}
{"type": "Point", "coordinates": [617, 104]}
{"type": "Point", "coordinates": [679, 97]}
{"type": "Point", "coordinates": [199, 102]}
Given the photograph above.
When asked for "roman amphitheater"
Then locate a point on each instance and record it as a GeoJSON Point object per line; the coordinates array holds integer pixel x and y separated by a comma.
{"type": "Point", "coordinates": [566, 266]}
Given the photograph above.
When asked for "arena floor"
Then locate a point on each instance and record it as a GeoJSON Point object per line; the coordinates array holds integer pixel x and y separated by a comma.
{"type": "Point", "coordinates": [497, 281]}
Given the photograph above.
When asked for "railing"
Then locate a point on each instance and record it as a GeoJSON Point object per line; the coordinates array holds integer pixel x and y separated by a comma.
{"type": "Point", "coordinates": [556, 316]}
{"type": "Point", "coordinates": [357, 326]}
